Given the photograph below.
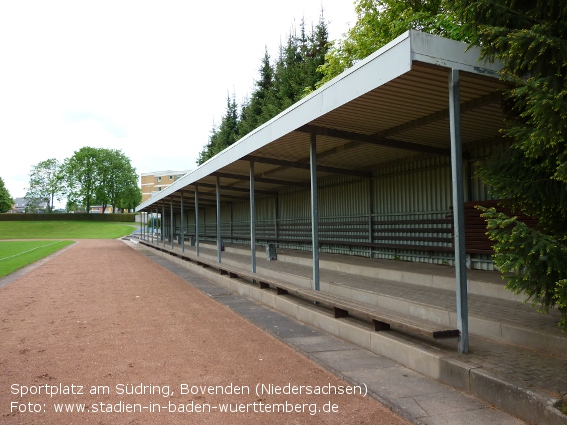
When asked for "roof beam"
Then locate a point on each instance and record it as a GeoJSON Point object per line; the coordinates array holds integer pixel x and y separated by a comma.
{"type": "Point", "coordinates": [240, 189]}
{"type": "Point", "coordinates": [207, 194]}
{"type": "Point", "coordinates": [444, 114]}
{"type": "Point", "coordinates": [375, 140]}
{"type": "Point", "coordinates": [304, 166]}
{"type": "Point", "coordinates": [259, 179]}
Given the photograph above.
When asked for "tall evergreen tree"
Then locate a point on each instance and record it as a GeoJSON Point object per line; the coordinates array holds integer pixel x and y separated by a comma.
{"type": "Point", "coordinates": [252, 113]}
{"type": "Point", "coordinates": [279, 86]}
{"type": "Point", "coordinates": [530, 38]}
{"type": "Point", "coordinates": [228, 130]}
{"type": "Point", "coordinates": [224, 135]}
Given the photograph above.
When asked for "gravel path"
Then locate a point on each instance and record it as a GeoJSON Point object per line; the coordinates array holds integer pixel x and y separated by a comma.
{"type": "Point", "coordinates": [101, 327]}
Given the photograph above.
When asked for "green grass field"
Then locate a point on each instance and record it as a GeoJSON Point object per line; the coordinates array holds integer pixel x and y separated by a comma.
{"type": "Point", "coordinates": [64, 229]}
{"type": "Point", "coordinates": [17, 254]}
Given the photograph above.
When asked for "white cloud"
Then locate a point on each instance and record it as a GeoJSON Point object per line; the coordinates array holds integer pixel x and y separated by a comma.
{"type": "Point", "coordinates": [144, 77]}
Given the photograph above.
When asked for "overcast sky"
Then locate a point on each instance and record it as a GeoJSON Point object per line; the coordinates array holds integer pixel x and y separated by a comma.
{"type": "Point", "coordinates": [145, 77]}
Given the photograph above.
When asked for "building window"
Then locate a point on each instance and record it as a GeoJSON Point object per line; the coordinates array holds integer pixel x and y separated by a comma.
{"type": "Point", "coordinates": [170, 177]}
{"type": "Point", "coordinates": [159, 188]}
{"type": "Point", "coordinates": [159, 179]}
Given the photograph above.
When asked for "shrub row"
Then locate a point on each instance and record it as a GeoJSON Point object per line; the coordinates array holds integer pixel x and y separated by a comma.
{"type": "Point", "coordinates": [128, 217]}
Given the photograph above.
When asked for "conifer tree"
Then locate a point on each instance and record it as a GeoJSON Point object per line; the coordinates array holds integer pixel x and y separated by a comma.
{"type": "Point", "coordinates": [252, 113]}
{"type": "Point", "coordinates": [530, 38]}
{"type": "Point", "coordinates": [279, 86]}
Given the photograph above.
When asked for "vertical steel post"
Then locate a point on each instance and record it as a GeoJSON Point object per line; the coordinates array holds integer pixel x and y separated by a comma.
{"type": "Point", "coordinates": [252, 219]}
{"type": "Point", "coordinates": [197, 220]}
{"type": "Point", "coordinates": [153, 227]}
{"type": "Point", "coordinates": [182, 224]}
{"type": "Point", "coordinates": [458, 210]}
{"type": "Point", "coordinates": [163, 223]}
{"type": "Point", "coordinates": [142, 225]}
{"type": "Point", "coordinates": [370, 212]}
{"type": "Point", "coordinates": [314, 211]}
{"type": "Point", "coordinates": [276, 216]}
{"type": "Point", "coordinates": [231, 221]}
{"type": "Point", "coordinates": [219, 242]}
{"type": "Point", "coordinates": [171, 229]}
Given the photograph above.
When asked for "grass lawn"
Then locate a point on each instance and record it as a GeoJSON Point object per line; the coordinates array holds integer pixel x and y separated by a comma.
{"type": "Point", "coordinates": [17, 254]}
{"type": "Point", "coordinates": [64, 229]}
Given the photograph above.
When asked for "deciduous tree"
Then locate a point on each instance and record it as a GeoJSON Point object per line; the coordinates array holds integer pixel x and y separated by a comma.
{"type": "Point", "coordinates": [380, 21]}
{"type": "Point", "coordinates": [81, 176]}
{"type": "Point", "coordinates": [46, 183]}
{"type": "Point", "coordinates": [6, 201]}
{"type": "Point", "coordinates": [101, 176]}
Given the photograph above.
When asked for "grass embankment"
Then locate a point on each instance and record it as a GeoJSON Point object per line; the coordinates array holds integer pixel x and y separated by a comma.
{"type": "Point", "coordinates": [17, 254]}
{"type": "Point", "coordinates": [64, 230]}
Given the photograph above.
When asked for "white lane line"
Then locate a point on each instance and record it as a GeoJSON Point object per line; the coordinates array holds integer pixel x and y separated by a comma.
{"type": "Point", "coordinates": [29, 250]}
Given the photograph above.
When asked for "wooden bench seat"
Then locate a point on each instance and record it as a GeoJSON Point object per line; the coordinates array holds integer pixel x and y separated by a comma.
{"type": "Point", "coordinates": [382, 318]}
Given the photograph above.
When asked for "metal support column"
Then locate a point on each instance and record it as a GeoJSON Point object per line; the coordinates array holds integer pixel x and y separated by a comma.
{"type": "Point", "coordinates": [458, 210]}
{"type": "Point", "coordinates": [370, 211]}
{"type": "Point", "coordinates": [142, 225]}
{"type": "Point", "coordinates": [197, 220]}
{"type": "Point", "coordinates": [171, 230]}
{"type": "Point", "coordinates": [252, 219]}
{"type": "Point", "coordinates": [219, 242]}
{"type": "Point", "coordinates": [182, 224]}
{"type": "Point", "coordinates": [162, 224]}
{"type": "Point", "coordinates": [276, 217]}
{"type": "Point", "coordinates": [231, 221]}
{"type": "Point", "coordinates": [314, 211]}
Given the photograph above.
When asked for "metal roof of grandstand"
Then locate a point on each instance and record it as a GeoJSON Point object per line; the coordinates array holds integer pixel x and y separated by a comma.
{"type": "Point", "coordinates": [391, 106]}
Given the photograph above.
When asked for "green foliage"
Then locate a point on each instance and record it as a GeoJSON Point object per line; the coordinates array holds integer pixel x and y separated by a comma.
{"type": "Point", "coordinates": [254, 112]}
{"type": "Point", "coordinates": [537, 260]}
{"type": "Point", "coordinates": [80, 174]}
{"type": "Point", "coordinates": [68, 229]}
{"type": "Point", "coordinates": [6, 201]}
{"type": "Point", "coordinates": [130, 197]}
{"type": "Point", "coordinates": [224, 135]}
{"type": "Point", "coordinates": [530, 38]}
{"type": "Point", "coordinates": [117, 179]}
{"type": "Point", "coordinates": [292, 76]}
{"type": "Point", "coordinates": [46, 183]}
{"type": "Point", "coordinates": [15, 255]}
{"type": "Point", "coordinates": [381, 21]}
{"type": "Point", "coordinates": [100, 176]}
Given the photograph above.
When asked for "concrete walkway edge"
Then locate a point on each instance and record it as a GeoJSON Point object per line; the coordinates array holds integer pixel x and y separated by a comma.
{"type": "Point", "coordinates": [506, 395]}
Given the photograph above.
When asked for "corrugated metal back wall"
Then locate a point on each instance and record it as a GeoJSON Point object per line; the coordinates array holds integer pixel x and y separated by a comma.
{"type": "Point", "coordinates": [408, 189]}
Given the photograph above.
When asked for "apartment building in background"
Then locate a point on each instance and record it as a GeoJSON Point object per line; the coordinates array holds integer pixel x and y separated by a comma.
{"type": "Point", "coordinates": [156, 181]}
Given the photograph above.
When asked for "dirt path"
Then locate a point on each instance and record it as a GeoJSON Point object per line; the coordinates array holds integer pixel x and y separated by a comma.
{"type": "Point", "coordinates": [102, 318]}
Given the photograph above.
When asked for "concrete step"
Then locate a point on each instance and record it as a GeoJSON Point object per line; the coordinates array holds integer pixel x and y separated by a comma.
{"type": "Point", "coordinates": [480, 282]}
{"type": "Point", "coordinates": [518, 380]}
{"type": "Point", "coordinates": [491, 317]}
